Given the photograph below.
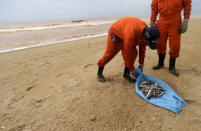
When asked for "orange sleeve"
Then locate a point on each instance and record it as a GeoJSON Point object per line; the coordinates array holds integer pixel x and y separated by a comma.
{"type": "Point", "coordinates": [142, 49]}
{"type": "Point", "coordinates": [129, 53]}
{"type": "Point", "coordinates": [187, 8]}
{"type": "Point", "coordinates": [154, 11]}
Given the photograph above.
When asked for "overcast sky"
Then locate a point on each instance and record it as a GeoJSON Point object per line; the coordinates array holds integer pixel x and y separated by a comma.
{"type": "Point", "coordinates": [44, 10]}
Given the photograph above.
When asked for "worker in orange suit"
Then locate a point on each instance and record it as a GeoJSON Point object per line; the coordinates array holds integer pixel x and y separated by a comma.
{"type": "Point", "coordinates": [125, 35]}
{"type": "Point", "coordinates": [171, 26]}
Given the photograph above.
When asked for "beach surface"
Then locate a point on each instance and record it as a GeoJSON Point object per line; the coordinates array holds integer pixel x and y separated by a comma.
{"type": "Point", "coordinates": [55, 88]}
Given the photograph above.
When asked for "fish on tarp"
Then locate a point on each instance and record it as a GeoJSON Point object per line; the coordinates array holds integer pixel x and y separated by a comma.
{"type": "Point", "coordinates": [151, 89]}
{"type": "Point", "coordinates": [170, 100]}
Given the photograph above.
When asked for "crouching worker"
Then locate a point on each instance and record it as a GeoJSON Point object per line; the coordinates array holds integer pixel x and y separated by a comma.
{"type": "Point", "coordinates": [125, 35]}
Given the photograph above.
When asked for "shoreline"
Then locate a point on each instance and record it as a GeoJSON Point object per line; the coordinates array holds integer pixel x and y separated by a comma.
{"type": "Point", "coordinates": [56, 42]}
{"type": "Point", "coordinates": [71, 32]}
{"type": "Point", "coordinates": [55, 26]}
{"type": "Point", "coordinates": [49, 23]}
{"type": "Point", "coordinates": [4, 26]}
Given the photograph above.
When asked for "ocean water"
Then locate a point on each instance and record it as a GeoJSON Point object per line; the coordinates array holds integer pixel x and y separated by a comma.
{"type": "Point", "coordinates": [31, 23]}
{"type": "Point", "coordinates": [15, 11]}
{"type": "Point", "coordinates": [40, 34]}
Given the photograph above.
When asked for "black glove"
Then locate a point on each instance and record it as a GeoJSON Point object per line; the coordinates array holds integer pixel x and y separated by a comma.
{"type": "Point", "coordinates": [184, 26]}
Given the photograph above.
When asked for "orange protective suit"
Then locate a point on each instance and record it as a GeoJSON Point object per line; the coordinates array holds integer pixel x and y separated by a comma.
{"type": "Point", "coordinates": [169, 23]}
{"type": "Point", "coordinates": [129, 30]}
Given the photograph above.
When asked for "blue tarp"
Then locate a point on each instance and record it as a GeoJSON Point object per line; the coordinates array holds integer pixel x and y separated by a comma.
{"type": "Point", "coordinates": [169, 100]}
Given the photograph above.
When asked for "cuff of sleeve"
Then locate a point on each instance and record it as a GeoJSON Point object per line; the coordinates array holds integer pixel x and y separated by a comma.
{"type": "Point", "coordinates": [186, 20]}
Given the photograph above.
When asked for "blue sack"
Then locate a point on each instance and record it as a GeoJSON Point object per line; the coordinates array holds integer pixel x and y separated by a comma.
{"type": "Point", "coordinates": [169, 100]}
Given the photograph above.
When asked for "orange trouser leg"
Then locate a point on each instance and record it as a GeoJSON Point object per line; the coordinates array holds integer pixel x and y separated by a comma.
{"type": "Point", "coordinates": [174, 39]}
{"type": "Point", "coordinates": [111, 50]}
{"type": "Point", "coordinates": [124, 57]}
{"type": "Point", "coordinates": [162, 42]}
{"type": "Point", "coordinates": [129, 62]}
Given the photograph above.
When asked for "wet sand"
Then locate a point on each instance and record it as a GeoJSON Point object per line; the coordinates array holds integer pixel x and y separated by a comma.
{"type": "Point", "coordinates": [55, 88]}
{"type": "Point", "coordinates": [31, 38]}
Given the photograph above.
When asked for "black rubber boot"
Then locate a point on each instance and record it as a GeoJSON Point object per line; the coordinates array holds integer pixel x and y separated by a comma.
{"type": "Point", "coordinates": [172, 67]}
{"type": "Point", "coordinates": [101, 78]}
{"type": "Point", "coordinates": [160, 62]}
{"type": "Point", "coordinates": [127, 75]}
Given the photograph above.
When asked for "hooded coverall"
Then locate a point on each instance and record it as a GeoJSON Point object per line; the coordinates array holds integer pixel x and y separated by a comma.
{"type": "Point", "coordinates": [129, 30]}
{"type": "Point", "coordinates": [169, 23]}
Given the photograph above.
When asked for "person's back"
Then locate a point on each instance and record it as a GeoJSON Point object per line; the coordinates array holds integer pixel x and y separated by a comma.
{"type": "Point", "coordinates": [129, 27]}
{"type": "Point", "coordinates": [128, 21]}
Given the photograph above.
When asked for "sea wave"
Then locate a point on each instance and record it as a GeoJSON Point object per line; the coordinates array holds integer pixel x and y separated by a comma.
{"type": "Point", "coordinates": [54, 26]}
{"type": "Point", "coordinates": [80, 37]}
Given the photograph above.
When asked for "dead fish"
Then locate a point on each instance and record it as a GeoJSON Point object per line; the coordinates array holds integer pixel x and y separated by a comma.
{"type": "Point", "coordinates": [146, 83]}
{"type": "Point", "coordinates": [151, 89]}
{"type": "Point", "coordinates": [149, 93]}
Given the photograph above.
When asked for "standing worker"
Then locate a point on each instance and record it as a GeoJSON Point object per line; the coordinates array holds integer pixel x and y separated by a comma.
{"type": "Point", "coordinates": [170, 25]}
{"type": "Point", "coordinates": [125, 35]}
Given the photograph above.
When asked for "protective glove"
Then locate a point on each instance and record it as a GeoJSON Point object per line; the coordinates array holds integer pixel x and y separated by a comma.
{"type": "Point", "coordinates": [141, 66]}
{"type": "Point", "coordinates": [115, 38]}
{"type": "Point", "coordinates": [184, 26]}
{"type": "Point", "coordinates": [133, 74]}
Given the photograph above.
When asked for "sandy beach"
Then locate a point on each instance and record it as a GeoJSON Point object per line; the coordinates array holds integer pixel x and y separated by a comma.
{"type": "Point", "coordinates": [55, 88]}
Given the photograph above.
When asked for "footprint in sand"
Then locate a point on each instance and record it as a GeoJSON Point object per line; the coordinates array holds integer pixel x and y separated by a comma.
{"type": "Point", "coordinates": [29, 88]}
{"type": "Point", "coordinates": [193, 71]}
{"type": "Point", "coordinates": [189, 101]}
{"type": "Point", "coordinates": [76, 99]}
{"type": "Point", "coordinates": [88, 65]}
{"type": "Point", "coordinates": [37, 102]}
{"type": "Point", "coordinates": [196, 120]}
{"type": "Point", "coordinates": [59, 75]}
{"type": "Point", "coordinates": [44, 64]}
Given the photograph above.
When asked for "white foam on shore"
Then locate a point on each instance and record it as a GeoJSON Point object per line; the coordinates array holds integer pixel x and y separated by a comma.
{"type": "Point", "coordinates": [72, 24]}
{"type": "Point", "coordinates": [70, 38]}
{"type": "Point", "coordinates": [54, 26]}
{"type": "Point", "coordinates": [56, 42]}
